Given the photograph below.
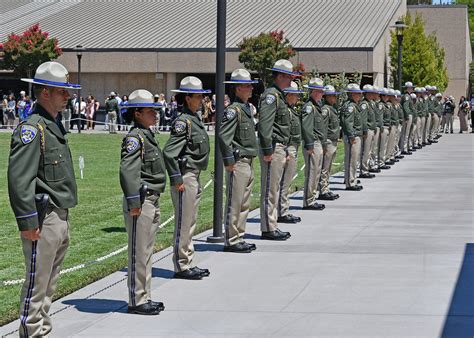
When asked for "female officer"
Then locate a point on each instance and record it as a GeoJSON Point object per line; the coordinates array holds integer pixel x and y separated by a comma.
{"type": "Point", "coordinates": [142, 177]}
{"type": "Point", "coordinates": [186, 154]}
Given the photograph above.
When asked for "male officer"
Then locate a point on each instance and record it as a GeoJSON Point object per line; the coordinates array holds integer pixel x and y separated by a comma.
{"type": "Point", "coordinates": [390, 151]}
{"type": "Point", "coordinates": [408, 112]}
{"type": "Point", "coordinates": [378, 107]}
{"type": "Point", "coordinates": [352, 129]}
{"type": "Point", "coordinates": [274, 135]}
{"type": "Point", "coordinates": [330, 146]}
{"type": "Point", "coordinates": [40, 163]}
{"type": "Point", "coordinates": [292, 94]}
{"type": "Point", "coordinates": [113, 111]}
{"type": "Point", "coordinates": [314, 135]}
{"type": "Point", "coordinates": [238, 145]}
{"type": "Point", "coordinates": [433, 132]}
{"type": "Point", "coordinates": [419, 106]}
{"type": "Point", "coordinates": [385, 129]}
{"type": "Point", "coordinates": [369, 127]}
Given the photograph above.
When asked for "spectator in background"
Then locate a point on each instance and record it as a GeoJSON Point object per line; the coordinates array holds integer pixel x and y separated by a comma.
{"type": "Point", "coordinates": [3, 117]}
{"type": "Point", "coordinates": [472, 115]}
{"type": "Point", "coordinates": [173, 106]}
{"type": "Point", "coordinates": [226, 100]}
{"type": "Point", "coordinates": [207, 112]}
{"type": "Point", "coordinates": [119, 115]}
{"type": "Point", "coordinates": [27, 108]}
{"type": "Point", "coordinates": [90, 112]}
{"type": "Point", "coordinates": [463, 113]}
{"type": "Point", "coordinates": [67, 114]}
{"type": "Point", "coordinates": [449, 107]}
{"type": "Point", "coordinates": [124, 111]}
{"type": "Point", "coordinates": [20, 106]}
{"type": "Point", "coordinates": [80, 113]}
{"type": "Point", "coordinates": [11, 107]}
{"type": "Point", "coordinates": [162, 110]}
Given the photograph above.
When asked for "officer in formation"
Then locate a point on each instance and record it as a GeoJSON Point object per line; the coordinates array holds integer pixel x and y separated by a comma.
{"type": "Point", "coordinates": [369, 126]}
{"type": "Point", "coordinates": [378, 107]}
{"type": "Point", "coordinates": [315, 129]}
{"type": "Point", "coordinates": [42, 188]}
{"type": "Point", "coordinates": [292, 95]}
{"type": "Point", "coordinates": [274, 136]}
{"type": "Point", "coordinates": [186, 154]}
{"type": "Point", "coordinates": [143, 178]}
{"type": "Point", "coordinates": [238, 145]}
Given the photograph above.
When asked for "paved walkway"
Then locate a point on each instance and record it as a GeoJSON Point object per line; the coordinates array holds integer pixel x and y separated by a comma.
{"type": "Point", "coordinates": [396, 259]}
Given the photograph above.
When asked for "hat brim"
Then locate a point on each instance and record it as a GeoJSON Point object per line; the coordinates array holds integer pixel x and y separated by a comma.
{"type": "Point", "coordinates": [241, 81]}
{"type": "Point", "coordinates": [313, 87]}
{"type": "Point", "coordinates": [332, 93]}
{"type": "Point", "coordinates": [284, 71]}
{"type": "Point", "coordinates": [141, 105]}
{"type": "Point", "coordinates": [191, 91]}
{"type": "Point", "coordinates": [52, 83]}
{"type": "Point", "coordinates": [408, 86]}
{"type": "Point", "coordinates": [354, 91]}
{"type": "Point", "coordinates": [293, 91]}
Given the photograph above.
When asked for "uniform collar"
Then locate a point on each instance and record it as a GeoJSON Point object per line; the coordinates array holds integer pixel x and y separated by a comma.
{"type": "Point", "coordinates": [55, 126]}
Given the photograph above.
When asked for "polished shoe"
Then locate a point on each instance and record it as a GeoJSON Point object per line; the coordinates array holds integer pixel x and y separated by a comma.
{"type": "Point", "coordinates": [251, 246]}
{"type": "Point", "coordinates": [434, 141]}
{"type": "Point", "coordinates": [203, 272]}
{"type": "Point", "coordinates": [395, 160]}
{"type": "Point", "coordinates": [336, 196]}
{"type": "Point", "coordinates": [355, 188]}
{"type": "Point", "coordinates": [374, 170]}
{"type": "Point", "coordinates": [406, 153]}
{"type": "Point", "coordinates": [239, 247]}
{"type": "Point", "coordinates": [314, 206]}
{"type": "Point", "coordinates": [191, 274]}
{"type": "Point", "coordinates": [384, 167]}
{"type": "Point", "coordinates": [274, 235]}
{"type": "Point", "coordinates": [146, 309]}
{"type": "Point", "coordinates": [298, 219]}
{"type": "Point", "coordinates": [159, 305]}
{"type": "Point", "coordinates": [287, 219]}
{"type": "Point", "coordinates": [452, 132]}
{"type": "Point", "coordinates": [366, 175]}
{"type": "Point", "coordinates": [326, 197]}
{"type": "Point", "coordinates": [284, 233]}
{"type": "Point", "coordinates": [390, 162]}
{"type": "Point", "coordinates": [399, 157]}
{"type": "Point", "coordinates": [424, 143]}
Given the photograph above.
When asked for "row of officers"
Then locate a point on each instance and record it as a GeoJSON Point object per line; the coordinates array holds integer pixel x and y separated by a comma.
{"type": "Point", "coordinates": [379, 127]}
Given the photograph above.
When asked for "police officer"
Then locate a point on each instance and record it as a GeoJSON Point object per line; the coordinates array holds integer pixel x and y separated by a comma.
{"type": "Point", "coordinates": [433, 132]}
{"type": "Point", "coordinates": [113, 111]}
{"type": "Point", "coordinates": [408, 110]}
{"type": "Point", "coordinates": [314, 129]}
{"type": "Point", "coordinates": [426, 117]}
{"type": "Point", "coordinates": [439, 113]}
{"type": "Point", "coordinates": [400, 122]}
{"type": "Point", "coordinates": [142, 178]}
{"type": "Point", "coordinates": [368, 130]}
{"type": "Point", "coordinates": [186, 154]}
{"type": "Point", "coordinates": [378, 107]}
{"type": "Point", "coordinates": [330, 145]}
{"type": "Point", "coordinates": [292, 94]}
{"type": "Point", "coordinates": [274, 135]}
{"type": "Point", "coordinates": [352, 129]}
{"type": "Point", "coordinates": [238, 145]}
{"type": "Point", "coordinates": [385, 129]}
{"type": "Point", "coordinates": [419, 106]}
{"type": "Point", "coordinates": [40, 166]}
{"type": "Point", "coordinates": [392, 136]}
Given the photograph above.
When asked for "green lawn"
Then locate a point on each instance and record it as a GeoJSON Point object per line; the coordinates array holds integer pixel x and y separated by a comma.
{"type": "Point", "coordinates": [97, 222]}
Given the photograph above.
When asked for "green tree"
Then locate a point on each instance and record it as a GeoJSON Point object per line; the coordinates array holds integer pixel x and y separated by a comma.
{"type": "Point", "coordinates": [258, 53]}
{"type": "Point", "coordinates": [423, 59]}
{"type": "Point", "coordinates": [24, 53]}
{"type": "Point", "coordinates": [419, 2]}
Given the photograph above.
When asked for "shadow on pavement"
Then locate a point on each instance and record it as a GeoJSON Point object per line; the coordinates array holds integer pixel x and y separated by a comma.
{"type": "Point", "coordinates": [98, 305]}
{"type": "Point", "coordinates": [209, 247]}
{"type": "Point", "coordinates": [162, 273]}
{"type": "Point", "coordinates": [460, 318]}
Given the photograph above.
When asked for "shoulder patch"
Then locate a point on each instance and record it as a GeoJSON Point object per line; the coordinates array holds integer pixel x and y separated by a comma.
{"type": "Point", "coordinates": [132, 143]}
{"type": "Point", "coordinates": [180, 127]}
{"type": "Point", "coordinates": [324, 112]}
{"type": "Point", "coordinates": [363, 106]}
{"type": "Point", "coordinates": [28, 133]}
{"type": "Point", "coordinates": [230, 114]}
{"type": "Point", "coordinates": [350, 109]}
{"type": "Point", "coordinates": [269, 99]}
{"type": "Point", "coordinates": [308, 109]}
{"type": "Point", "coordinates": [380, 106]}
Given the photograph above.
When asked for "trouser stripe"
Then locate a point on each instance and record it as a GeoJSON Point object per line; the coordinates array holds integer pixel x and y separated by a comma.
{"type": "Point", "coordinates": [31, 286]}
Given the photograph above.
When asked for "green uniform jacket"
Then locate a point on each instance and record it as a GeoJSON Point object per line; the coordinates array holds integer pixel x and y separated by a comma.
{"type": "Point", "coordinates": [401, 113]}
{"type": "Point", "coordinates": [420, 106]}
{"type": "Point", "coordinates": [314, 125]}
{"type": "Point", "coordinates": [364, 112]}
{"type": "Point", "coordinates": [351, 119]}
{"type": "Point", "coordinates": [379, 110]}
{"type": "Point", "coordinates": [40, 162]}
{"type": "Point", "coordinates": [274, 120]}
{"type": "Point", "coordinates": [393, 115]}
{"type": "Point", "coordinates": [295, 127]}
{"type": "Point", "coordinates": [427, 106]}
{"type": "Point", "coordinates": [371, 119]}
{"type": "Point", "coordinates": [407, 105]}
{"type": "Point", "coordinates": [237, 132]}
{"type": "Point", "coordinates": [111, 105]}
{"type": "Point", "coordinates": [141, 162]}
{"type": "Point", "coordinates": [387, 114]}
{"type": "Point", "coordinates": [188, 140]}
{"type": "Point", "coordinates": [334, 124]}
{"type": "Point", "coordinates": [438, 107]}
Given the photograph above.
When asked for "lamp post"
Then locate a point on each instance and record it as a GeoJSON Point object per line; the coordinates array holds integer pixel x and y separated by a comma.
{"type": "Point", "coordinates": [79, 49]}
{"type": "Point", "coordinates": [399, 27]}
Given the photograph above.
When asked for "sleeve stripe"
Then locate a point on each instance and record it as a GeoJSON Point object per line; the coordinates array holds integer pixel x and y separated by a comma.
{"type": "Point", "coordinates": [132, 197]}
{"type": "Point", "coordinates": [28, 216]}
{"type": "Point", "coordinates": [175, 175]}
{"type": "Point", "coordinates": [225, 158]}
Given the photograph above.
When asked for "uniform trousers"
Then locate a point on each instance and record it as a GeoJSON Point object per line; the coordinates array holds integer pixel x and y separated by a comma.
{"type": "Point", "coordinates": [289, 171]}
{"type": "Point", "coordinates": [186, 205]}
{"type": "Point", "coordinates": [43, 259]}
{"type": "Point", "coordinates": [141, 232]}
{"type": "Point", "coordinates": [366, 148]}
{"type": "Point", "coordinates": [239, 185]}
{"type": "Point", "coordinates": [375, 148]}
{"type": "Point", "coordinates": [384, 133]}
{"type": "Point", "coordinates": [421, 129]}
{"type": "Point", "coordinates": [407, 125]}
{"type": "Point", "coordinates": [435, 126]}
{"type": "Point", "coordinates": [390, 150]}
{"type": "Point", "coordinates": [271, 174]}
{"type": "Point", "coordinates": [418, 131]}
{"type": "Point", "coordinates": [329, 148]}
{"type": "Point", "coordinates": [312, 173]}
{"type": "Point", "coordinates": [351, 157]}
{"type": "Point", "coordinates": [426, 135]}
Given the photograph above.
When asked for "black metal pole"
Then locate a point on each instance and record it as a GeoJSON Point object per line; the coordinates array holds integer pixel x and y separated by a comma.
{"type": "Point", "coordinates": [79, 124]}
{"type": "Point", "coordinates": [399, 69]}
{"type": "Point", "coordinates": [220, 92]}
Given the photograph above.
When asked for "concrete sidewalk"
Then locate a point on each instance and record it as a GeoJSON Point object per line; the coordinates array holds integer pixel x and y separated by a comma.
{"type": "Point", "coordinates": [396, 259]}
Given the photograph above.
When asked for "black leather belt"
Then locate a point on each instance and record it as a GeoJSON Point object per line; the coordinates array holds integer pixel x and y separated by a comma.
{"type": "Point", "coordinates": [152, 193]}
